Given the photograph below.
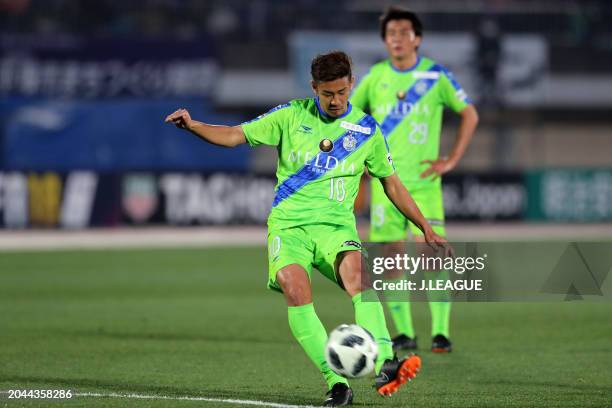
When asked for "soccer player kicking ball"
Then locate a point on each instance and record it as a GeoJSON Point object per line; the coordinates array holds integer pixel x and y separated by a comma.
{"type": "Point", "coordinates": [323, 144]}
{"type": "Point", "coordinates": [406, 94]}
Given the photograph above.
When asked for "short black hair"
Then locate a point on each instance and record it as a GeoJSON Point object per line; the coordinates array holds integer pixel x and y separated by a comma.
{"type": "Point", "coordinates": [331, 66]}
{"type": "Point", "coordinates": [398, 13]}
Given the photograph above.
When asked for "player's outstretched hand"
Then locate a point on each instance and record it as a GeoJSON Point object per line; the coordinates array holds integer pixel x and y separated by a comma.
{"type": "Point", "coordinates": [180, 118]}
{"type": "Point", "coordinates": [437, 167]}
{"type": "Point", "coordinates": [437, 243]}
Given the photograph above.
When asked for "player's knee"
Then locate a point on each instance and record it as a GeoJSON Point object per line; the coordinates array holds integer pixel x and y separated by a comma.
{"type": "Point", "coordinates": [295, 285]}
{"type": "Point", "coordinates": [349, 271]}
{"type": "Point", "coordinates": [352, 283]}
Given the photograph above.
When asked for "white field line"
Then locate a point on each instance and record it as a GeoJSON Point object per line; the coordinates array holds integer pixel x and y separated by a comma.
{"type": "Point", "coordinates": [170, 398]}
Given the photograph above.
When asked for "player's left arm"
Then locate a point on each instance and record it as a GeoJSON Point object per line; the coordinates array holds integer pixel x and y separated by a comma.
{"type": "Point", "coordinates": [455, 98]}
{"type": "Point", "coordinates": [403, 201]}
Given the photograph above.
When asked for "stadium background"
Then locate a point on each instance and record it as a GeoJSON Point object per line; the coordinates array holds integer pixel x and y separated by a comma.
{"type": "Point", "coordinates": [86, 161]}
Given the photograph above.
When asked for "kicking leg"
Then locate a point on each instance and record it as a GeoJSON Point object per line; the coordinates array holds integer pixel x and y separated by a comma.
{"type": "Point", "coordinates": [391, 373]}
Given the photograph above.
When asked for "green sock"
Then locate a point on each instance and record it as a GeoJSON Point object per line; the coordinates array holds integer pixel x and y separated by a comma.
{"type": "Point", "coordinates": [440, 306]}
{"type": "Point", "coordinates": [440, 317]}
{"type": "Point", "coordinates": [310, 333]}
{"type": "Point", "coordinates": [402, 317]}
{"type": "Point", "coordinates": [399, 308]}
{"type": "Point", "coordinates": [370, 315]}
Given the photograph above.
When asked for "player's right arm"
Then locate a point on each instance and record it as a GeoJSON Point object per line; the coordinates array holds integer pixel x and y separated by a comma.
{"type": "Point", "coordinates": [455, 98]}
{"type": "Point", "coordinates": [227, 136]}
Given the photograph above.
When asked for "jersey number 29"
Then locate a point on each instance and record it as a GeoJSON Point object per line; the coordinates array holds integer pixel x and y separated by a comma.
{"type": "Point", "coordinates": [418, 133]}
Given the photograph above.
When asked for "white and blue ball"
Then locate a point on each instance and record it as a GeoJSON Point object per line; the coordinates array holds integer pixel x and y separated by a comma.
{"type": "Point", "coordinates": [351, 351]}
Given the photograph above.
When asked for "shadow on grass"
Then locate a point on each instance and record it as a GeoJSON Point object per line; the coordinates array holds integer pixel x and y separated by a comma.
{"type": "Point", "coordinates": [91, 385]}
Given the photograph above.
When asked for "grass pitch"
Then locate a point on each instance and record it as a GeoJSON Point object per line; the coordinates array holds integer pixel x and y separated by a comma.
{"type": "Point", "coordinates": [200, 323]}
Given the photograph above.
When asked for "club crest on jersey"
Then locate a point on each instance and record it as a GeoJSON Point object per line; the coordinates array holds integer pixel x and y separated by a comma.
{"type": "Point", "coordinates": [420, 87]}
{"type": "Point", "coordinates": [401, 95]}
{"type": "Point", "coordinates": [326, 145]}
{"type": "Point", "coordinates": [349, 142]}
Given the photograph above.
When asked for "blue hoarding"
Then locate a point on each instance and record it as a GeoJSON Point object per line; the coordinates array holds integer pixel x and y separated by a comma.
{"type": "Point", "coordinates": [111, 135]}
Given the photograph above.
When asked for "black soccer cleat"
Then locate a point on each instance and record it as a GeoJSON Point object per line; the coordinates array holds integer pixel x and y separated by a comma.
{"type": "Point", "coordinates": [339, 396]}
{"type": "Point", "coordinates": [394, 373]}
{"type": "Point", "coordinates": [404, 343]}
{"type": "Point", "coordinates": [441, 344]}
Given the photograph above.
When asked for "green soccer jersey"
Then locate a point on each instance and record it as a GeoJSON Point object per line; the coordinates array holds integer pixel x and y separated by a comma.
{"type": "Point", "coordinates": [320, 160]}
{"type": "Point", "coordinates": [408, 105]}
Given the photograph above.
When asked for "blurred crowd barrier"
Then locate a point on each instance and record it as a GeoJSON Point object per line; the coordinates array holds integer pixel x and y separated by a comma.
{"type": "Point", "coordinates": [83, 143]}
{"type": "Point", "coordinates": [81, 199]}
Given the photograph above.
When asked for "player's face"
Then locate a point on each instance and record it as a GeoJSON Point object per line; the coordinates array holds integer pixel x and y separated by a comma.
{"type": "Point", "coordinates": [333, 95]}
{"type": "Point", "coordinates": [400, 39]}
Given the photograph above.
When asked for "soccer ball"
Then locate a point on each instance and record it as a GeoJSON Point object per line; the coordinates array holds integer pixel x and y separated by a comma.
{"type": "Point", "coordinates": [351, 351]}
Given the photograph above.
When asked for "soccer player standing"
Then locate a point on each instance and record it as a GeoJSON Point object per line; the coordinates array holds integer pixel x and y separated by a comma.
{"type": "Point", "coordinates": [323, 145]}
{"type": "Point", "coordinates": [406, 94]}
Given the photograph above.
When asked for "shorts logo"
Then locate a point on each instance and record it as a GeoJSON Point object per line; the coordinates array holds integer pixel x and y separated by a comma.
{"type": "Point", "coordinates": [326, 145]}
{"type": "Point", "coordinates": [274, 248]}
{"type": "Point", "coordinates": [352, 243]}
{"type": "Point", "coordinates": [349, 142]}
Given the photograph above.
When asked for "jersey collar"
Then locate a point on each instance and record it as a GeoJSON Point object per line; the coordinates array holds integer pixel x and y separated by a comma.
{"type": "Point", "coordinates": [325, 115]}
{"type": "Point", "coordinates": [402, 71]}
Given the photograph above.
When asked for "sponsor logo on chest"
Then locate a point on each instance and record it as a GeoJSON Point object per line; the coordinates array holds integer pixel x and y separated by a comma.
{"type": "Point", "coordinates": [321, 163]}
{"type": "Point", "coordinates": [403, 108]}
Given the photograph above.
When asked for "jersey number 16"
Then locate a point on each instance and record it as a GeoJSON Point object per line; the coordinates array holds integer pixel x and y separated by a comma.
{"type": "Point", "coordinates": [336, 189]}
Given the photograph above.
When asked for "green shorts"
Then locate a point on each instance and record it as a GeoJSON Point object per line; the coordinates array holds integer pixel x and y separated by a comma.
{"type": "Point", "coordinates": [388, 224]}
{"type": "Point", "coordinates": [314, 245]}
